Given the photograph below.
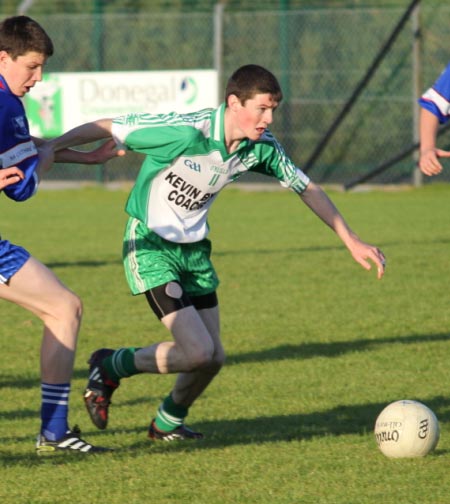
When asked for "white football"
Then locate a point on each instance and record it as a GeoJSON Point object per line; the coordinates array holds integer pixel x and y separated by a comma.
{"type": "Point", "coordinates": [406, 429]}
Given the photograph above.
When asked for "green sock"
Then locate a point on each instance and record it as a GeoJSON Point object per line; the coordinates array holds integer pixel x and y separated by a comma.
{"type": "Point", "coordinates": [121, 363]}
{"type": "Point", "coordinates": [170, 415]}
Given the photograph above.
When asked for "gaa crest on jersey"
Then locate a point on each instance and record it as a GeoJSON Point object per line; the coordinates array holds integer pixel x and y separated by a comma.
{"type": "Point", "coordinates": [20, 127]}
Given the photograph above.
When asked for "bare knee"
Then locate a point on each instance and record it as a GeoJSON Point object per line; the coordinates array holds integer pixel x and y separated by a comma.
{"type": "Point", "coordinates": [76, 307]}
{"type": "Point", "coordinates": [210, 361]}
{"type": "Point", "coordinates": [67, 310]}
{"type": "Point", "coordinates": [72, 307]}
{"type": "Point", "coordinates": [217, 362]}
{"type": "Point", "coordinates": [198, 359]}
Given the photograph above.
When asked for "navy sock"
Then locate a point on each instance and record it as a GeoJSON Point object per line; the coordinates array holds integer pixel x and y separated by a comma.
{"type": "Point", "coordinates": [54, 410]}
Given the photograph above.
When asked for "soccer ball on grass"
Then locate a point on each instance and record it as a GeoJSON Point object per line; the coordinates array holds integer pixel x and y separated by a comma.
{"type": "Point", "coordinates": [406, 429]}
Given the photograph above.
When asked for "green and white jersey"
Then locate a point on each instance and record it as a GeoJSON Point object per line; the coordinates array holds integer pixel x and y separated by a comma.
{"type": "Point", "coordinates": [186, 166]}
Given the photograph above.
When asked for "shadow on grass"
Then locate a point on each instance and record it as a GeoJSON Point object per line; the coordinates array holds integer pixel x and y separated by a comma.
{"type": "Point", "coordinates": [19, 382]}
{"type": "Point", "coordinates": [276, 251]}
{"type": "Point", "coordinates": [321, 248]}
{"type": "Point", "coordinates": [339, 421]}
{"type": "Point", "coordinates": [34, 383]}
{"type": "Point", "coordinates": [281, 352]}
{"type": "Point", "coordinates": [330, 349]}
{"type": "Point", "coordinates": [251, 251]}
{"type": "Point", "coordinates": [84, 264]}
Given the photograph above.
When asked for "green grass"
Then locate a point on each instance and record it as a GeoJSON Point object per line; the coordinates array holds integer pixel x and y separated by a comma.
{"type": "Point", "coordinates": [316, 348]}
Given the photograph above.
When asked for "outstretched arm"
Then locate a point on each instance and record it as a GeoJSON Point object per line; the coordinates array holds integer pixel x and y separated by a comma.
{"type": "Point", "coordinates": [316, 199]}
{"type": "Point", "coordinates": [58, 149]}
{"type": "Point", "coordinates": [81, 135]}
{"type": "Point", "coordinates": [429, 162]}
{"type": "Point", "coordinates": [106, 151]}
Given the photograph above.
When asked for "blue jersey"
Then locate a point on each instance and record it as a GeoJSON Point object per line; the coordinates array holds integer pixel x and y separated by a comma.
{"type": "Point", "coordinates": [16, 149]}
{"type": "Point", "coordinates": [437, 98]}
{"type": "Point", "coordinates": [16, 146]}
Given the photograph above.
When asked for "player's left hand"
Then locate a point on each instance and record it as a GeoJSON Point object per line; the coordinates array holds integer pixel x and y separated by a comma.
{"type": "Point", "coordinates": [10, 176]}
{"type": "Point", "coordinates": [363, 253]}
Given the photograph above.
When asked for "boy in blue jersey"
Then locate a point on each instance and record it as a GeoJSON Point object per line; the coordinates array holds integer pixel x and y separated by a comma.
{"type": "Point", "coordinates": [24, 49]}
{"type": "Point", "coordinates": [435, 110]}
{"type": "Point", "coordinates": [189, 158]}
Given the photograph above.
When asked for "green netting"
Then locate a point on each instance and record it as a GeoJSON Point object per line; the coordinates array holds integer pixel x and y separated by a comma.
{"type": "Point", "coordinates": [319, 55]}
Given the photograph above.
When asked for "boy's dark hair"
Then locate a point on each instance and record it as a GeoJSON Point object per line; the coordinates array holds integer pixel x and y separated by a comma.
{"type": "Point", "coordinates": [249, 80]}
{"type": "Point", "coordinates": [21, 34]}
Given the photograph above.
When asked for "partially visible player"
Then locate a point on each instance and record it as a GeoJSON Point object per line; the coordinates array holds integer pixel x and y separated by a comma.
{"type": "Point", "coordinates": [189, 159]}
{"type": "Point", "coordinates": [435, 110]}
{"type": "Point", "coordinates": [24, 49]}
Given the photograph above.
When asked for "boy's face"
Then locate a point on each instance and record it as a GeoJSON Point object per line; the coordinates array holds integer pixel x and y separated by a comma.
{"type": "Point", "coordinates": [254, 116]}
{"type": "Point", "coordinates": [22, 73]}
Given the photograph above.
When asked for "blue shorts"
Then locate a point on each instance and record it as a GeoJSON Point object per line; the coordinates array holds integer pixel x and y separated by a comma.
{"type": "Point", "coordinates": [12, 258]}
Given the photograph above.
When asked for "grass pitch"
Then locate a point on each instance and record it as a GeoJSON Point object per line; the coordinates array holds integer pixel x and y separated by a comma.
{"type": "Point", "coordinates": [316, 348]}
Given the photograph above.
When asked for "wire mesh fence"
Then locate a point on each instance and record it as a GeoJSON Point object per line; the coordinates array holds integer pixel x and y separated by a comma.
{"type": "Point", "coordinates": [319, 56]}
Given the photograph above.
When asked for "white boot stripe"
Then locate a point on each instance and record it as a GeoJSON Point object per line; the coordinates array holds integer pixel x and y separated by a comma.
{"type": "Point", "coordinates": [75, 444]}
{"type": "Point", "coordinates": [95, 375]}
{"type": "Point", "coordinates": [66, 442]}
{"type": "Point", "coordinates": [79, 445]}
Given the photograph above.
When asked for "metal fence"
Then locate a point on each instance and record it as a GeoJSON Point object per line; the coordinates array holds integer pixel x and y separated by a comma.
{"type": "Point", "coordinates": [320, 57]}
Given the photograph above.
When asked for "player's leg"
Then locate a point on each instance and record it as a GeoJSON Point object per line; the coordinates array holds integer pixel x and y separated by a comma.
{"type": "Point", "coordinates": [195, 351]}
{"type": "Point", "coordinates": [189, 386]}
{"type": "Point", "coordinates": [170, 418]}
{"type": "Point", "coordinates": [169, 423]}
{"type": "Point", "coordinates": [192, 346]}
{"type": "Point", "coordinates": [35, 288]}
{"type": "Point", "coordinates": [162, 270]}
{"type": "Point", "coordinates": [200, 282]}
{"type": "Point", "coordinates": [154, 266]}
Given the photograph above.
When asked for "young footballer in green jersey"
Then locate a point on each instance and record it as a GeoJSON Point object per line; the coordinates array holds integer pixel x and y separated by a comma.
{"type": "Point", "coordinates": [189, 158]}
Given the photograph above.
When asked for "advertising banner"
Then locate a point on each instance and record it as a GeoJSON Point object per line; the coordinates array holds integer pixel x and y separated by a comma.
{"type": "Point", "coordinates": [65, 100]}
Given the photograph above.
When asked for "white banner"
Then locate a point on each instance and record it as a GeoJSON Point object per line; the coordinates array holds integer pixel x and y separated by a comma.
{"type": "Point", "coordinates": [65, 100]}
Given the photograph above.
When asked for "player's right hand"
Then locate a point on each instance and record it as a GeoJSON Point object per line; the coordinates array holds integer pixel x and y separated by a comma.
{"type": "Point", "coordinates": [107, 150]}
{"type": "Point", "coordinates": [429, 161]}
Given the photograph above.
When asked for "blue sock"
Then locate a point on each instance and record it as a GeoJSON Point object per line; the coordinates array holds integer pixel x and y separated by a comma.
{"type": "Point", "coordinates": [54, 410]}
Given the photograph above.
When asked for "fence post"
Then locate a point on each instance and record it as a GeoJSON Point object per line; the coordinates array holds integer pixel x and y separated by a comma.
{"type": "Point", "coordinates": [417, 178]}
{"type": "Point", "coordinates": [218, 43]}
{"type": "Point", "coordinates": [97, 36]}
{"type": "Point", "coordinates": [285, 65]}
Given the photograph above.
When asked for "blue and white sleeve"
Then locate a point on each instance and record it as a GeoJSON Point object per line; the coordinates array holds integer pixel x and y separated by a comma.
{"type": "Point", "coordinates": [27, 187]}
{"type": "Point", "coordinates": [437, 98]}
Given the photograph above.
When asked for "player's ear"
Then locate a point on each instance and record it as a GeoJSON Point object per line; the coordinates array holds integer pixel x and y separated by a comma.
{"type": "Point", "coordinates": [4, 56]}
{"type": "Point", "coordinates": [233, 102]}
